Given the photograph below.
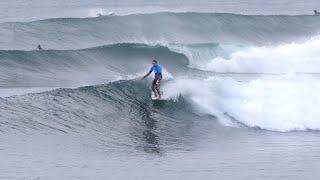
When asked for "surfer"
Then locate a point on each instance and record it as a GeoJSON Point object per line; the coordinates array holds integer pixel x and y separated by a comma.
{"type": "Point", "coordinates": [39, 47]}
{"type": "Point", "coordinates": [316, 12]}
{"type": "Point", "coordinates": [156, 68]}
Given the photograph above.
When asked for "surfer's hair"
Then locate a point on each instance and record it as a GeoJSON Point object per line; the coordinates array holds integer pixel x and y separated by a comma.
{"type": "Point", "coordinates": [155, 61]}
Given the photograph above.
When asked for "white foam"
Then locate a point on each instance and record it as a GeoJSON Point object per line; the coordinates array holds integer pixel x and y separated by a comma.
{"type": "Point", "coordinates": [279, 105]}
{"type": "Point", "coordinates": [202, 54]}
{"type": "Point", "coordinates": [293, 57]}
{"type": "Point", "coordinates": [96, 12]}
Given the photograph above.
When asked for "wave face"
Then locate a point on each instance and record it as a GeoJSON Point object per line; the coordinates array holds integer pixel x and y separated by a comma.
{"type": "Point", "coordinates": [53, 68]}
{"type": "Point", "coordinates": [78, 33]}
{"type": "Point", "coordinates": [118, 114]}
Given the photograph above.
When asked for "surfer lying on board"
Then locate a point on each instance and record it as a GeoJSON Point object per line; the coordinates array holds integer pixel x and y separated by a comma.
{"type": "Point", "coordinates": [156, 68]}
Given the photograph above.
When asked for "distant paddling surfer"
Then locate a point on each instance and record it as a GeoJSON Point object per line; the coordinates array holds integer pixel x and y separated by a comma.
{"type": "Point", "coordinates": [156, 68]}
{"type": "Point", "coordinates": [39, 47]}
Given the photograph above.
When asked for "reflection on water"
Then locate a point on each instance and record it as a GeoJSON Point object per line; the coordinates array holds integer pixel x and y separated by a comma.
{"type": "Point", "coordinates": [151, 138]}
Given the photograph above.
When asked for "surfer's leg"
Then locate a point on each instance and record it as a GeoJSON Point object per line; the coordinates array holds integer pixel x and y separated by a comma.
{"type": "Point", "coordinates": [157, 87]}
{"type": "Point", "coordinates": [154, 91]}
{"type": "Point", "coordinates": [154, 87]}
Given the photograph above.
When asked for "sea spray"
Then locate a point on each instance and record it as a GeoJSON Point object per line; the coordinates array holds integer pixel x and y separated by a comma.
{"type": "Point", "coordinates": [279, 105]}
{"type": "Point", "coordinates": [292, 57]}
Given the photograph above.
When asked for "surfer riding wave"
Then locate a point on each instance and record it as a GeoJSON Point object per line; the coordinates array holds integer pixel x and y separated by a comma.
{"type": "Point", "coordinates": [157, 69]}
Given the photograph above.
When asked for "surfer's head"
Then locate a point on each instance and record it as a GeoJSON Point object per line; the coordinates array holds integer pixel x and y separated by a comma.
{"type": "Point", "coordinates": [154, 62]}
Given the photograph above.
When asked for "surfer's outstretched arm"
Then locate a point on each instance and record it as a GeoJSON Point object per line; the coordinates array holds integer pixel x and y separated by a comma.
{"type": "Point", "coordinates": [147, 74]}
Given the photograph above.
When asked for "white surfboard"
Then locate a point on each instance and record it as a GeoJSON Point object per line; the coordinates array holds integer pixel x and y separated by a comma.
{"type": "Point", "coordinates": [156, 99]}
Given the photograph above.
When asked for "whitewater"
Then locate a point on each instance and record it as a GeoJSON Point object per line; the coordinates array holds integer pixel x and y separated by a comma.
{"type": "Point", "coordinates": [241, 90]}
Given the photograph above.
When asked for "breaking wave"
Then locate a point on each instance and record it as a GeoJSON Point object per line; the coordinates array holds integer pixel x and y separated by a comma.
{"type": "Point", "coordinates": [279, 105]}
{"type": "Point", "coordinates": [157, 28]}
{"type": "Point", "coordinates": [282, 59]}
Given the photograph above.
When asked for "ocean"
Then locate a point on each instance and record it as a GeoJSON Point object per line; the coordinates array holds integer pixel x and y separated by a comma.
{"type": "Point", "coordinates": [240, 86]}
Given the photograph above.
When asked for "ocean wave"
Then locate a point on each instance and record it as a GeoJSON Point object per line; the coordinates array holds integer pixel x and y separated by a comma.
{"type": "Point", "coordinates": [277, 105]}
{"type": "Point", "coordinates": [163, 28]}
{"type": "Point", "coordinates": [293, 57]}
{"type": "Point", "coordinates": [75, 68]}
{"type": "Point", "coordinates": [70, 68]}
{"type": "Point", "coordinates": [120, 113]}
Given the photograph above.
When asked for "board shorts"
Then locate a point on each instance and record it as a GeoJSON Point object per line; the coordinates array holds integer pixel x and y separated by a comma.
{"type": "Point", "coordinates": [157, 79]}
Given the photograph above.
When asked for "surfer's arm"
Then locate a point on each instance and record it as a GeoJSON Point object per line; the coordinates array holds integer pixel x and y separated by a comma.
{"type": "Point", "coordinates": [147, 74]}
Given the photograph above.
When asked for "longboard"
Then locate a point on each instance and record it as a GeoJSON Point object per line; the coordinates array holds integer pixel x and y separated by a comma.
{"type": "Point", "coordinates": [155, 99]}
